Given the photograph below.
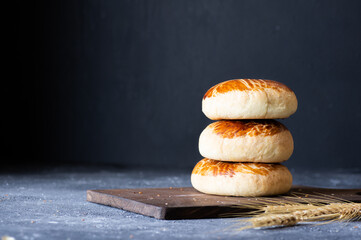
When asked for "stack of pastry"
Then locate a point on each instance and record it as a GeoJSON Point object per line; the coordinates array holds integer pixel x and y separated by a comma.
{"type": "Point", "coordinates": [243, 150]}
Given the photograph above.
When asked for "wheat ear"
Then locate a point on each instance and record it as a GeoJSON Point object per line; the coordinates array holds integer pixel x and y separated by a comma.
{"type": "Point", "coordinates": [288, 215]}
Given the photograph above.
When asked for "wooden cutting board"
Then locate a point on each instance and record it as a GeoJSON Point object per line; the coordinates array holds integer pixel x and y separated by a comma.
{"type": "Point", "coordinates": [188, 203]}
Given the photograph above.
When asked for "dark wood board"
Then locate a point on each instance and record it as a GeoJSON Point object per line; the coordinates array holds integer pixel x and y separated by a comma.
{"type": "Point", "coordinates": [188, 203]}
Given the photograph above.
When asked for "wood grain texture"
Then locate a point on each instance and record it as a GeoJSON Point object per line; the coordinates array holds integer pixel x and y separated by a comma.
{"type": "Point", "coordinates": [188, 203]}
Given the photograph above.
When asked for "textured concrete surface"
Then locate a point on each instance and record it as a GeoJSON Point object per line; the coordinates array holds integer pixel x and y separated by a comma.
{"type": "Point", "coordinates": [50, 204]}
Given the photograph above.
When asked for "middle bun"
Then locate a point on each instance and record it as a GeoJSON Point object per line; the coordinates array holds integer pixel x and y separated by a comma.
{"type": "Point", "coordinates": [263, 141]}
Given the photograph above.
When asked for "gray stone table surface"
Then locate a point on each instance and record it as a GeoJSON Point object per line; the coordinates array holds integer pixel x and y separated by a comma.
{"type": "Point", "coordinates": [51, 204]}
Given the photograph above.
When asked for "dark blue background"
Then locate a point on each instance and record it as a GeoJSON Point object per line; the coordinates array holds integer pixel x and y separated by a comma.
{"type": "Point", "coordinates": [122, 81]}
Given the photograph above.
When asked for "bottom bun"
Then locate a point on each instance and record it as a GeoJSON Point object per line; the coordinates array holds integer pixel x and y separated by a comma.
{"type": "Point", "coordinates": [240, 179]}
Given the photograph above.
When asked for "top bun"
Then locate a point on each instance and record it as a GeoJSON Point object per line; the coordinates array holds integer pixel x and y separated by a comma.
{"type": "Point", "coordinates": [249, 99]}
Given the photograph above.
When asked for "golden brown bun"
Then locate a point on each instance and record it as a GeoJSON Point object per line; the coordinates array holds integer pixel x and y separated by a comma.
{"type": "Point", "coordinates": [240, 179]}
{"type": "Point", "coordinates": [249, 99]}
{"type": "Point", "coordinates": [264, 141]}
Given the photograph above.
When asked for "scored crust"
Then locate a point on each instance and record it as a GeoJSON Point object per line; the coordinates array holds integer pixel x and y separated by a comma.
{"type": "Point", "coordinates": [231, 129]}
{"type": "Point", "coordinates": [245, 85]}
{"type": "Point", "coordinates": [264, 141]}
{"type": "Point", "coordinates": [249, 99]}
{"type": "Point", "coordinates": [240, 179]}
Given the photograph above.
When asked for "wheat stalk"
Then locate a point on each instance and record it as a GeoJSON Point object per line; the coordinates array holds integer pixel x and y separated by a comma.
{"type": "Point", "coordinates": [290, 214]}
